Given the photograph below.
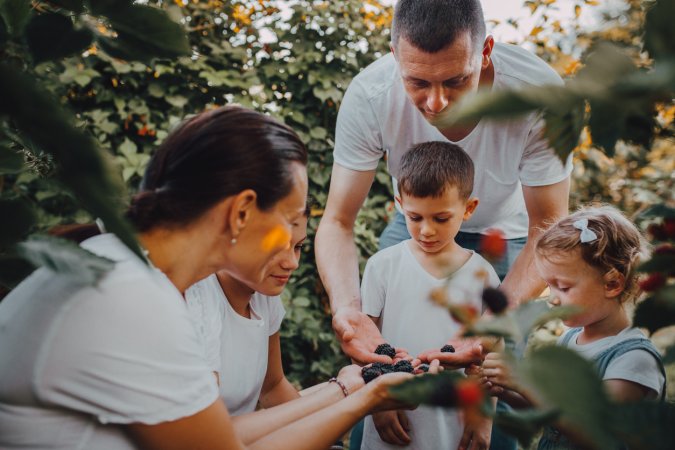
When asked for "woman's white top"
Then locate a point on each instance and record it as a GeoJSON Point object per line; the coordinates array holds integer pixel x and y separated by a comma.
{"type": "Point", "coordinates": [78, 362]}
{"type": "Point", "coordinates": [236, 347]}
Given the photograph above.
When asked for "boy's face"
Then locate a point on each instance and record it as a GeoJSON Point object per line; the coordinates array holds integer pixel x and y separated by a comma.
{"type": "Point", "coordinates": [433, 222]}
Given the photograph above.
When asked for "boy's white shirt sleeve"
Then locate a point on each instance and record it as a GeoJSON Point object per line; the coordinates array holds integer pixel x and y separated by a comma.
{"type": "Point", "coordinates": [373, 289]}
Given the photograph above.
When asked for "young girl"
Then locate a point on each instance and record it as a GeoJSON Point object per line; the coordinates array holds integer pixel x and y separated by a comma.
{"type": "Point", "coordinates": [588, 261]}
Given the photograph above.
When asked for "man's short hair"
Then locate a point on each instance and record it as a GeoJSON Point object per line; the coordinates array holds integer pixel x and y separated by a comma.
{"type": "Point", "coordinates": [432, 25]}
{"type": "Point", "coordinates": [430, 168]}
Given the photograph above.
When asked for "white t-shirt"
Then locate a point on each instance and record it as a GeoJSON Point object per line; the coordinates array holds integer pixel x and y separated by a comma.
{"type": "Point", "coordinates": [396, 288]}
{"type": "Point", "coordinates": [77, 362]}
{"type": "Point", "coordinates": [237, 347]}
{"type": "Point", "coordinates": [377, 117]}
{"type": "Point", "coordinates": [638, 366]}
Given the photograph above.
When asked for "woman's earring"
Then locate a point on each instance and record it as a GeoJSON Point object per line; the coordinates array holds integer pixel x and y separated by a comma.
{"type": "Point", "coordinates": [233, 241]}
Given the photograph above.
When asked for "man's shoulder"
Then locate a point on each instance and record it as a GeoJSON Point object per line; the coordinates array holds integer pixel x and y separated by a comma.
{"type": "Point", "coordinates": [517, 67]}
{"type": "Point", "coordinates": [377, 78]}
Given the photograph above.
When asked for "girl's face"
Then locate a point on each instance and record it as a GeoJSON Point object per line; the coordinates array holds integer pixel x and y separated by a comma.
{"type": "Point", "coordinates": [281, 266]}
{"type": "Point", "coordinates": [266, 234]}
{"type": "Point", "coordinates": [573, 282]}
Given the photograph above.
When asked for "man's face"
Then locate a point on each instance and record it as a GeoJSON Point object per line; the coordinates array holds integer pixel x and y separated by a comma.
{"type": "Point", "coordinates": [435, 81]}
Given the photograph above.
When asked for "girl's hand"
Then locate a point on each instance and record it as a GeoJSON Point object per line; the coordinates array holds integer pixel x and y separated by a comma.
{"type": "Point", "coordinates": [351, 377]}
{"type": "Point", "coordinates": [393, 427]}
{"type": "Point", "coordinates": [467, 351]}
{"type": "Point", "coordinates": [497, 373]}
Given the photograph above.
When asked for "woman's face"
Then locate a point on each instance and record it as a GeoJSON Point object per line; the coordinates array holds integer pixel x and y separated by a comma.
{"type": "Point", "coordinates": [282, 265]}
{"type": "Point", "coordinates": [268, 233]}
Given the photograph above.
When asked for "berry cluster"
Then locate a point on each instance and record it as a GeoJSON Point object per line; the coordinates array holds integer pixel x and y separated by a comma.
{"type": "Point", "coordinates": [369, 373]}
{"type": "Point", "coordinates": [448, 349]}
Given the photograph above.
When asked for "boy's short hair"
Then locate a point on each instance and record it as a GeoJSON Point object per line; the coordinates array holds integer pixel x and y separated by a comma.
{"type": "Point", "coordinates": [429, 168]}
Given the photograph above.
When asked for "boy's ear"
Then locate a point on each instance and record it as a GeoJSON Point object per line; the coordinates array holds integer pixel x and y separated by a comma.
{"type": "Point", "coordinates": [243, 206]}
{"type": "Point", "coordinates": [398, 200]}
{"type": "Point", "coordinates": [615, 283]}
{"type": "Point", "coordinates": [471, 205]}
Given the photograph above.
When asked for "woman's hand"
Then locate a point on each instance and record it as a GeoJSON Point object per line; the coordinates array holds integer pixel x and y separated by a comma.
{"type": "Point", "coordinates": [393, 427]}
{"type": "Point", "coordinates": [351, 377]}
{"type": "Point", "coordinates": [380, 396]}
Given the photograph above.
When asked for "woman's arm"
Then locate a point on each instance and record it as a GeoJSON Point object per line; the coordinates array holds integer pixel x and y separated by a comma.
{"type": "Point", "coordinates": [276, 389]}
{"type": "Point", "coordinates": [213, 429]}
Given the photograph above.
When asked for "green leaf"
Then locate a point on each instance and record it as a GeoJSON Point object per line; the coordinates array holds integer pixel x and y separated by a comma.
{"type": "Point", "coordinates": [53, 36]}
{"type": "Point", "coordinates": [75, 6]}
{"type": "Point", "coordinates": [659, 32]}
{"type": "Point", "coordinates": [654, 314]}
{"type": "Point", "coordinates": [82, 167]}
{"type": "Point", "coordinates": [660, 262]}
{"type": "Point", "coordinates": [563, 130]}
{"type": "Point", "coordinates": [437, 389]}
{"type": "Point", "coordinates": [669, 356]}
{"type": "Point", "coordinates": [10, 161]}
{"type": "Point", "coordinates": [518, 323]}
{"type": "Point", "coordinates": [646, 425]}
{"type": "Point", "coordinates": [18, 218]}
{"type": "Point", "coordinates": [15, 14]}
{"type": "Point", "coordinates": [13, 269]}
{"type": "Point", "coordinates": [143, 33]}
{"type": "Point", "coordinates": [660, 210]}
{"type": "Point", "coordinates": [524, 424]}
{"type": "Point", "coordinates": [562, 379]}
{"type": "Point", "coordinates": [66, 258]}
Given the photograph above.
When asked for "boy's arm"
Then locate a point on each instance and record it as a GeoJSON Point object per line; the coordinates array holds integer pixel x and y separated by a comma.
{"type": "Point", "coordinates": [276, 388]}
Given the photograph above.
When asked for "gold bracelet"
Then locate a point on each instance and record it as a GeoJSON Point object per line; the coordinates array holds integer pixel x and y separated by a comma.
{"type": "Point", "coordinates": [345, 391]}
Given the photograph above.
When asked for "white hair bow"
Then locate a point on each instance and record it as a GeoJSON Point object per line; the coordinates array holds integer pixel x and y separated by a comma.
{"type": "Point", "coordinates": [587, 235]}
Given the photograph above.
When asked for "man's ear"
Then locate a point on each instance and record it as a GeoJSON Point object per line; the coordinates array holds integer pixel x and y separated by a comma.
{"type": "Point", "coordinates": [488, 45]}
{"type": "Point", "coordinates": [243, 206]}
{"type": "Point", "coordinates": [615, 283]}
{"type": "Point", "coordinates": [471, 205]}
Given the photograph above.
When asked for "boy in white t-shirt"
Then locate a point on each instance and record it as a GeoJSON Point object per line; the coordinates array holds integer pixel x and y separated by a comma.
{"type": "Point", "coordinates": [435, 186]}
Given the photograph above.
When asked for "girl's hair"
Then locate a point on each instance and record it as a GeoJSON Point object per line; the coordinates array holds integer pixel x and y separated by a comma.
{"type": "Point", "coordinates": [211, 156]}
{"type": "Point", "coordinates": [618, 244]}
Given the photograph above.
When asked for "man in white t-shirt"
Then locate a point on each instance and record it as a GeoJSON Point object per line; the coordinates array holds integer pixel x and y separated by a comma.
{"type": "Point", "coordinates": [440, 52]}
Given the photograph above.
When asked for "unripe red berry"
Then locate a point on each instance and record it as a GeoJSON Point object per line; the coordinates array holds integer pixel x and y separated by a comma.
{"type": "Point", "coordinates": [653, 282]}
{"type": "Point", "coordinates": [493, 245]}
{"type": "Point", "coordinates": [469, 393]}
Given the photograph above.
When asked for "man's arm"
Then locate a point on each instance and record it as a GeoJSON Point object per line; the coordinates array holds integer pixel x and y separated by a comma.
{"type": "Point", "coordinates": [545, 204]}
{"type": "Point", "coordinates": [337, 261]}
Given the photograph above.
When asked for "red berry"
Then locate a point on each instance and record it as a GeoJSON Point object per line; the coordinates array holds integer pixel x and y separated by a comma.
{"type": "Point", "coordinates": [653, 282]}
{"type": "Point", "coordinates": [664, 249]}
{"type": "Point", "coordinates": [493, 245]}
{"type": "Point", "coordinates": [669, 227]}
{"type": "Point", "coordinates": [469, 393]}
{"type": "Point", "coordinates": [657, 232]}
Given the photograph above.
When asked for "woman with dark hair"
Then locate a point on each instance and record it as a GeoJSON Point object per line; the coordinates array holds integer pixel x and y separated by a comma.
{"type": "Point", "coordinates": [119, 365]}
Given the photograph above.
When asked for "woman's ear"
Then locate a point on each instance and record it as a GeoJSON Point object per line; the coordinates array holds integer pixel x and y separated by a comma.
{"type": "Point", "coordinates": [471, 205]}
{"type": "Point", "coordinates": [615, 283]}
{"type": "Point", "coordinates": [243, 207]}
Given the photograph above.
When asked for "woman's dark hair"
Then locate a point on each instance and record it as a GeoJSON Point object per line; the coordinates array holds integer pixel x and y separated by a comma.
{"type": "Point", "coordinates": [211, 156]}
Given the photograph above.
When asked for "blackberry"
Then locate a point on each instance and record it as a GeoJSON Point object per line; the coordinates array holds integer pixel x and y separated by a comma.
{"type": "Point", "coordinates": [383, 367]}
{"type": "Point", "coordinates": [495, 300]}
{"type": "Point", "coordinates": [385, 349]}
{"type": "Point", "coordinates": [403, 366]}
{"type": "Point", "coordinates": [370, 373]}
{"type": "Point", "coordinates": [422, 368]}
{"type": "Point", "coordinates": [448, 349]}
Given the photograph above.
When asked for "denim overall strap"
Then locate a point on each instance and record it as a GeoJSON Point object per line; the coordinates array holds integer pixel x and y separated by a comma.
{"type": "Point", "coordinates": [572, 333]}
{"type": "Point", "coordinates": [604, 358]}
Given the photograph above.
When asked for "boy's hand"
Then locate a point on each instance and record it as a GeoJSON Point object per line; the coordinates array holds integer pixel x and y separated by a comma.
{"type": "Point", "coordinates": [393, 427]}
{"type": "Point", "coordinates": [477, 434]}
{"type": "Point", "coordinates": [358, 336]}
{"type": "Point", "coordinates": [467, 351]}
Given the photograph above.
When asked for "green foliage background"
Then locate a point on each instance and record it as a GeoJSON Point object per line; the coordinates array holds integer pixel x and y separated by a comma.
{"type": "Point", "coordinates": [299, 77]}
